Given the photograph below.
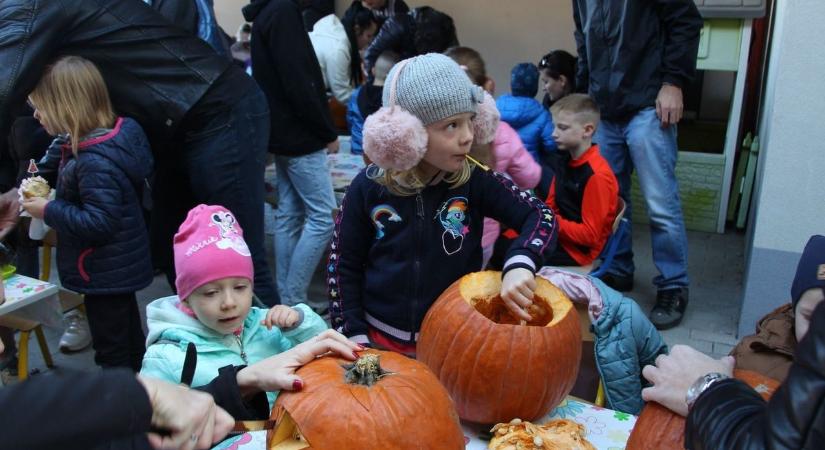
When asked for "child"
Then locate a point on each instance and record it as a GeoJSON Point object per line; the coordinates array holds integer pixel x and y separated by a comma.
{"type": "Point", "coordinates": [584, 193]}
{"type": "Point", "coordinates": [102, 248]}
{"type": "Point", "coordinates": [213, 307]}
{"type": "Point", "coordinates": [366, 99]}
{"type": "Point", "coordinates": [410, 224]}
{"type": "Point", "coordinates": [521, 111]}
{"type": "Point", "coordinates": [558, 76]}
{"type": "Point", "coordinates": [506, 153]}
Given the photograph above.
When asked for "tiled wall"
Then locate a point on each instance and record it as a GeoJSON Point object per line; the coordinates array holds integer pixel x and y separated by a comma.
{"type": "Point", "coordinates": [700, 187]}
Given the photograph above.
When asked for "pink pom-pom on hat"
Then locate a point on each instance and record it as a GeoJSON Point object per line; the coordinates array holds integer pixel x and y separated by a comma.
{"type": "Point", "coordinates": [485, 123]}
{"type": "Point", "coordinates": [394, 138]}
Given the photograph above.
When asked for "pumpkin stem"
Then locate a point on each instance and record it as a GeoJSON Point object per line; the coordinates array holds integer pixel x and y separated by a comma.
{"type": "Point", "coordinates": [366, 371]}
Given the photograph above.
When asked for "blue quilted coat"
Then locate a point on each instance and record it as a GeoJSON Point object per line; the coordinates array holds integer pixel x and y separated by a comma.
{"type": "Point", "coordinates": [531, 121]}
{"type": "Point", "coordinates": [102, 239]}
{"type": "Point", "coordinates": [625, 342]}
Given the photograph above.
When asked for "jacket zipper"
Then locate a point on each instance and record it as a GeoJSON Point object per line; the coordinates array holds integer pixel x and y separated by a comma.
{"type": "Point", "coordinates": [240, 344]}
{"type": "Point", "coordinates": [419, 225]}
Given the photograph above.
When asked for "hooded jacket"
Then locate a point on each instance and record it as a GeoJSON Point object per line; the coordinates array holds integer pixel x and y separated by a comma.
{"type": "Point", "coordinates": [155, 72]}
{"type": "Point", "coordinates": [171, 330]}
{"type": "Point", "coordinates": [628, 48]}
{"type": "Point", "coordinates": [286, 68]}
{"type": "Point", "coordinates": [102, 243]}
{"type": "Point", "coordinates": [532, 122]}
{"type": "Point", "coordinates": [770, 351]}
{"type": "Point", "coordinates": [624, 338]}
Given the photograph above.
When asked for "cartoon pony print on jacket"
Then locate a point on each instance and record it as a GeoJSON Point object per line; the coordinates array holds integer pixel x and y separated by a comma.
{"type": "Point", "coordinates": [230, 238]}
{"type": "Point", "coordinates": [453, 215]}
{"type": "Point", "coordinates": [380, 211]}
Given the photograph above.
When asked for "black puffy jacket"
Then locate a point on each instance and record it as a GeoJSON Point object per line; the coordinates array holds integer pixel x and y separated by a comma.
{"type": "Point", "coordinates": [628, 48]}
{"type": "Point", "coordinates": [102, 243]}
{"type": "Point", "coordinates": [155, 72]}
{"type": "Point", "coordinates": [730, 415]}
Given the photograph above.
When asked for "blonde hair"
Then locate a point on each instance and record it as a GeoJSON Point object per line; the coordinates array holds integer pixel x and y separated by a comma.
{"type": "Point", "coordinates": [409, 182]}
{"type": "Point", "coordinates": [583, 108]}
{"type": "Point", "coordinates": [73, 99]}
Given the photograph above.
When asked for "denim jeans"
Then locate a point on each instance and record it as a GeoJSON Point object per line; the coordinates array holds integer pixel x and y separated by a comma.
{"type": "Point", "coordinates": [303, 221]}
{"type": "Point", "coordinates": [222, 163]}
{"type": "Point", "coordinates": [640, 143]}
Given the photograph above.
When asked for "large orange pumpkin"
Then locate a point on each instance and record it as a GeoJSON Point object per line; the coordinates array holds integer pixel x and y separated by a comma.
{"type": "Point", "coordinates": [658, 428]}
{"type": "Point", "coordinates": [494, 367]}
{"type": "Point", "coordinates": [383, 400]}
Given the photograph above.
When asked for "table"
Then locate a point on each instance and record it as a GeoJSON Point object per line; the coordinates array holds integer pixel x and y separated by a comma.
{"type": "Point", "coordinates": [32, 299]}
{"type": "Point", "coordinates": [606, 429]}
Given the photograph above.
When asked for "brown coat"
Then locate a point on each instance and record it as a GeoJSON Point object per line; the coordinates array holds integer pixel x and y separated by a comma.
{"type": "Point", "coordinates": [771, 350]}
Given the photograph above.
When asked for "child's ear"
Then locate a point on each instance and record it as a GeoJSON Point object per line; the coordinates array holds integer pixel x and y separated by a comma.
{"type": "Point", "coordinates": [589, 129]}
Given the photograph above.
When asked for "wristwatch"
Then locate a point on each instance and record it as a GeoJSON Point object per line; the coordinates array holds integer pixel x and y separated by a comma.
{"type": "Point", "coordinates": [699, 386]}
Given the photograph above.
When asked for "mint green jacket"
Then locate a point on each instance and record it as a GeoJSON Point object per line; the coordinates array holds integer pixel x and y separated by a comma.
{"type": "Point", "coordinates": [171, 330]}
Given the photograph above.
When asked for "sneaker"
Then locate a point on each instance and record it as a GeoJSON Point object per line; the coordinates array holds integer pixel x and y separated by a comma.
{"type": "Point", "coordinates": [670, 308]}
{"type": "Point", "coordinates": [621, 283]}
{"type": "Point", "coordinates": [77, 335]}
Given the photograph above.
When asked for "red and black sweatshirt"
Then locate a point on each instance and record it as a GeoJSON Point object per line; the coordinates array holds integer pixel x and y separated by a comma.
{"type": "Point", "coordinates": [584, 194]}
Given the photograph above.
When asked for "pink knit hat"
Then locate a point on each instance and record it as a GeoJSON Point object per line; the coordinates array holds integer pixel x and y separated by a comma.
{"type": "Point", "coordinates": [209, 246]}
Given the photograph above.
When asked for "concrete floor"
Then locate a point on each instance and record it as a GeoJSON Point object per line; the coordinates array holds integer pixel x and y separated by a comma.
{"type": "Point", "coordinates": [716, 268]}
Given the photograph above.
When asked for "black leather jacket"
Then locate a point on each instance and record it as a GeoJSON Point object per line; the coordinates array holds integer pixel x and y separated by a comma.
{"type": "Point", "coordinates": [730, 415]}
{"type": "Point", "coordinates": [155, 72]}
{"type": "Point", "coordinates": [628, 48]}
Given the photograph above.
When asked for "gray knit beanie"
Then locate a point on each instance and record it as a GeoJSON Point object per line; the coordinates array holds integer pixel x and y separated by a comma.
{"type": "Point", "coordinates": [432, 87]}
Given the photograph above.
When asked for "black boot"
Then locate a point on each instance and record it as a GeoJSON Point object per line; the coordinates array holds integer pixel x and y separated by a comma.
{"type": "Point", "coordinates": [670, 308]}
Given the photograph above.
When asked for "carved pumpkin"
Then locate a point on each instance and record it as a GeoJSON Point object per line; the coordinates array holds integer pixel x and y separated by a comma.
{"type": "Point", "coordinates": [494, 367]}
{"type": "Point", "coordinates": [658, 428]}
{"type": "Point", "coordinates": [383, 400]}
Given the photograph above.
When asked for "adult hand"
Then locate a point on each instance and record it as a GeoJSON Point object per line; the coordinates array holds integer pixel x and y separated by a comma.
{"type": "Point", "coordinates": [281, 316]}
{"type": "Point", "coordinates": [669, 105]}
{"type": "Point", "coordinates": [333, 146]}
{"type": "Point", "coordinates": [277, 373]}
{"type": "Point", "coordinates": [517, 291]}
{"type": "Point", "coordinates": [35, 206]}
{"type": "Point", "coordinates": [673, 374]}
{"type": "Point", "coordinates": [191, 417]}
{"type": "Point", "coordinates": [9, 212]}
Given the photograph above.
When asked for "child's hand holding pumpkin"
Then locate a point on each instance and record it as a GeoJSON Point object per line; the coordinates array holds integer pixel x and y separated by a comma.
{"type": "Point", "coordinates": [517, 291]}
{"type": "Point", "coordinates": [282, 317]}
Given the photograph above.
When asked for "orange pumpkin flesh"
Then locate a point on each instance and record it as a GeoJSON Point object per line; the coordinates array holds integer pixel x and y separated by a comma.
{"type": "Point", "coordinates": [494, 368]}
{"type": "Point", "coordinates": [658, 428]}
{"type": "Point", "coordinates": [405, 405]}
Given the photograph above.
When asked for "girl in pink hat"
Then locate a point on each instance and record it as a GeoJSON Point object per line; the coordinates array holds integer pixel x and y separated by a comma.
{"type": "Point", "coordinates": [213, 309]}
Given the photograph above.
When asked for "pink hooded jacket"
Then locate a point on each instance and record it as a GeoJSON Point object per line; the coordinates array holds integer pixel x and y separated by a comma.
{"type": "Point", "coordinates": [512, 159]}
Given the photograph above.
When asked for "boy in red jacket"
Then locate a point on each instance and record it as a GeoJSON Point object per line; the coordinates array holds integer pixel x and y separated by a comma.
{"type": "Point", "coordinates": [578, 185]}
{"type": "Point", "coordinates": [584, 192]}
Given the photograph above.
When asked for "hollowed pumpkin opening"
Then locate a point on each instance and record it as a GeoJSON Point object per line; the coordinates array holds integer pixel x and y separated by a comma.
{"type": "Point", "coordinates": [482, 291]}
{"type": "Point", "coordinates": [287, 435]}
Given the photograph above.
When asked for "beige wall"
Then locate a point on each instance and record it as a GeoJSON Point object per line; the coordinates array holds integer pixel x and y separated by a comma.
{"type": "Point", "coordinates": [229, 14]}
{"type": "Point", "coordinates": [506, 32]}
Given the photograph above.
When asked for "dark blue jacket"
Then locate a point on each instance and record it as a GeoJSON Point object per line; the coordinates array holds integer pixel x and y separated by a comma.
{"type": "Point", "coordinates": [531, 121]}
{"type": "Point", "coordinates": [102, 243]}
{"type": "Point", "coordinates": [392, 256]}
